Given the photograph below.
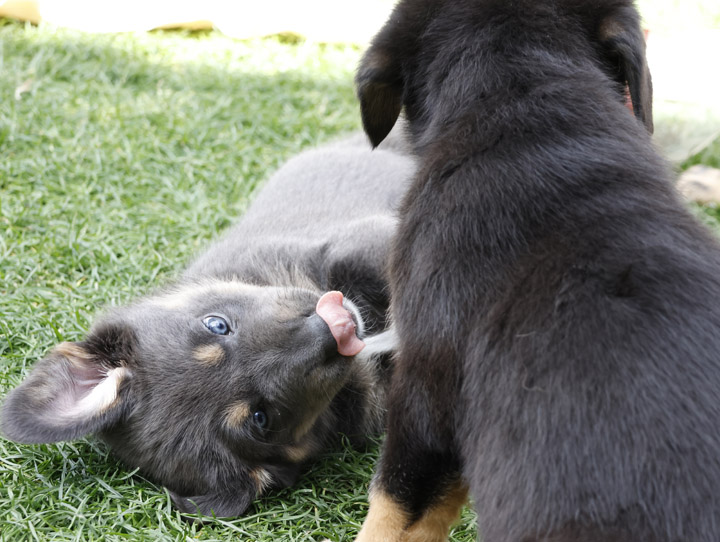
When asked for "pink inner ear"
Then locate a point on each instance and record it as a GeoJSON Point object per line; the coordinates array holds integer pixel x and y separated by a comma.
{"type": "Point", "coordinates": [628, 100]}
{"type": "Point", "coordinates": [91, 389]}
{"type": "Point", "coordinates": [86, 376]}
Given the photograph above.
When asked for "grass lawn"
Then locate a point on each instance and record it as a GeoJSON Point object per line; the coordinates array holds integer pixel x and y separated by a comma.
{"type": "Point", "coordinates": [120, 157]}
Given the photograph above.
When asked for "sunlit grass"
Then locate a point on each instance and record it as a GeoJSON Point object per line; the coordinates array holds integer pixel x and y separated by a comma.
{"type": "Point", "coordinates": [120, 157]}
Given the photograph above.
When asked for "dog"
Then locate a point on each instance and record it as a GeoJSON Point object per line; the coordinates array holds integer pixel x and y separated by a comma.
{"type": "Point", "coordinates": [557, 307]}
{"type": "Point", "coordinates": [226, 383]}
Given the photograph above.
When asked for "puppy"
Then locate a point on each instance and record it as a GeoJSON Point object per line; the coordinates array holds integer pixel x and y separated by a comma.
{"type": "Point", "coordinates": [557, 306]}
{"type": "Point", "coordinates": [224, 384]}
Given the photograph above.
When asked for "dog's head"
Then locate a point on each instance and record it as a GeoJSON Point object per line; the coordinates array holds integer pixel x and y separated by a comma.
{"type": "Point", "coordinates": [217, 390]}
{"type": "Point", "coordinates": [421, 40]}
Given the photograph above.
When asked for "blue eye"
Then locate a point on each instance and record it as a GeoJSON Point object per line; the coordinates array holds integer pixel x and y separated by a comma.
{"type": "Point", "coordinates": [260, 419]}
{"type": "Point", "coordinates": [217, 325]}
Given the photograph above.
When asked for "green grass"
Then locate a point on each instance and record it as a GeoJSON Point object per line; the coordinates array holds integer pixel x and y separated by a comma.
{"type": "Point", "coordinates": [125, 155]}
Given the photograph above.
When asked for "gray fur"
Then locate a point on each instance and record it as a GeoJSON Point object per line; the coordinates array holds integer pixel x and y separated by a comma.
{"type": "Point", "coordinates": [180, 402]}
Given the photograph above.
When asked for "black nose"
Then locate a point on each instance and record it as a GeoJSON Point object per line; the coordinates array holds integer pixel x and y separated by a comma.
{"type": "Point", "coordinates": [322, 335]}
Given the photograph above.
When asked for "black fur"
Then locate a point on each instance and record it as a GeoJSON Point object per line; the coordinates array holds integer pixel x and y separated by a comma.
{"type": "Point", "coordinates": [557, 305]}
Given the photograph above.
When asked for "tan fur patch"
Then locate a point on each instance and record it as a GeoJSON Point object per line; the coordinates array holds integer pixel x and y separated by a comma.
{"type": "Point", "coordinates": [388, 521]}
{"type": "Point", "coordinates": [435, 523]}
{"type": "Point", "coordinates": [300, 452]}
{"type": "Point", "coordinates": [237, 413]}
{"type": "Point", "coordinates": [610, 29]}
{"type": "Point", "coordinates": [262, 478]}
{"type": "Point", "coordinates": [209, 354]}
{"type": "Point", "coordinates": [304, 428]}
{"type": "Point", "coordinates": [72, 351]}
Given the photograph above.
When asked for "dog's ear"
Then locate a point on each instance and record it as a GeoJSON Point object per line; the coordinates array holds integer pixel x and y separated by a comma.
{"type": "Point", "coordinates": [78, 389]}
{"type": "Point", "coordinates": [228, 502]}
{"type": "Point", "coordinates": [623, 42]}
{"type": "Point", "coordinates": [380, 90]}
{"type": "Point", "coordinates": [233, 499]}
{"type": "Point", "coordinates": [222, 504]}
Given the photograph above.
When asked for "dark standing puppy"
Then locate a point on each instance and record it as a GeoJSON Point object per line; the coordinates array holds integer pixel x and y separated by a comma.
{"type": "Point", "coordinates": [557, 306]}
{"type": "Point", "coordinates": [228, 382]}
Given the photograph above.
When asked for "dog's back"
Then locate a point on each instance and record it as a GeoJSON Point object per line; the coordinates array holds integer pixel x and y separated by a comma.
{"type": "Point", "coordinates": [335, 234]}
{"type": "Point", "coordinates": [547, 274]}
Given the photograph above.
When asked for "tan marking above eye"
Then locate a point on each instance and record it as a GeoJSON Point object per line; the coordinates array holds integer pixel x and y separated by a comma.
{"type": "Point", "coordinates": [209, 354]}
{"type": "Point", "coordinates": [300, 452]}
{"type": "Point", "coordinates": [237, 413]}
{"type": "Point", "coordinates": [305, 426]}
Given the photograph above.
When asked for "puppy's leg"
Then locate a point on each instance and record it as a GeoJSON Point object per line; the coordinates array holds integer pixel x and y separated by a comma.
{"type": "Point", "coordinates": [417, 492]}
{"type": "Point", "coordinates": [389, 521]}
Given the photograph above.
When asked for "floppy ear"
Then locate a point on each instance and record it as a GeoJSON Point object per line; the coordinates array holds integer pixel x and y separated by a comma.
{"type": "Point", "coordinates": [380, 90]}
{"type": "Point", "coordinates": [221, 504]}
{"type": "Point", "coordinates": [624, 44]}
{"type": "Point", "coordinates": [234, 500]}
{"type": "Point", "coordinates": [76, 390]}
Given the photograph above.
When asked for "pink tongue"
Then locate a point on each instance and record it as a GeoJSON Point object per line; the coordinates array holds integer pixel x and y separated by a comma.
{"type": "Point", "coordinates": [329, 308]}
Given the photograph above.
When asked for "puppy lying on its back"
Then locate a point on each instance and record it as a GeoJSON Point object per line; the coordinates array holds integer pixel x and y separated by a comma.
{"type": "Point", "coordinates": [557, 307]}
{"type": "Point", "coordinates": [224, 384]}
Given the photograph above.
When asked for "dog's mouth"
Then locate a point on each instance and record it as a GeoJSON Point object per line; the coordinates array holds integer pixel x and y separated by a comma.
{"type": "Point", "coordinates": [343, 319]}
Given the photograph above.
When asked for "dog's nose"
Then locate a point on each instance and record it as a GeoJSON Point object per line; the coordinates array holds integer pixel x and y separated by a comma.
{"type": "Point", "coordinates": [321, 333]}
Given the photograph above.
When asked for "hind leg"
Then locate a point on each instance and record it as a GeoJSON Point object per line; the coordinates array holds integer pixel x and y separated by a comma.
{"type": "Point", "coordinates": [417, 492]}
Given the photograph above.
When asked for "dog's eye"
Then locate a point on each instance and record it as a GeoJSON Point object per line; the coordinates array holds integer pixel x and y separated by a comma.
{"type": "Point", "coordinates": [260, 419]}
{"type": "Point", "coordinates": [217, 325]}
